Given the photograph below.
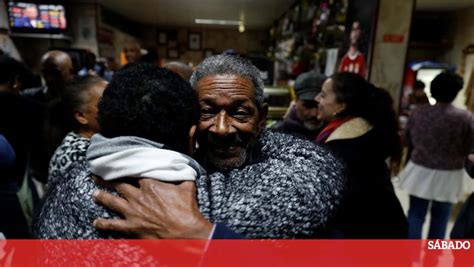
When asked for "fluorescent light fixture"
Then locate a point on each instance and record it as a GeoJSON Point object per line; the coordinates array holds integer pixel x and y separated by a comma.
{"type": "Point", "coordinates": [218, 22]}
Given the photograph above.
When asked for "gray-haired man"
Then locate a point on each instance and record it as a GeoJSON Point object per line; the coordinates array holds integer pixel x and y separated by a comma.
{"type": "Point", "coordinates": [259, 184]}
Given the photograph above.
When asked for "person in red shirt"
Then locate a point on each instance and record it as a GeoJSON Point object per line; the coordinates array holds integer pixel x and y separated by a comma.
{"type": "Point", "coordinates": [353, 60]}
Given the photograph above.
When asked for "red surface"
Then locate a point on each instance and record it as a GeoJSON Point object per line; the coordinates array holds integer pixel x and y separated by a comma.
{"type": "Point", "coordinates": [393, 38]}
{"type": "Point", "coordinates": [225, 253]}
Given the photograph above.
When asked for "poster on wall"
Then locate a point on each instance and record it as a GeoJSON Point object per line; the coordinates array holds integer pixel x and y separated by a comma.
{"type": "Point", "coordinates": [359, 36]}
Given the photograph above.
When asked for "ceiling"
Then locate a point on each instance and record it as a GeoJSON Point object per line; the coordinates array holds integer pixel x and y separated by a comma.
{"type": "Point", "coordinates": [256, 14]}
{"type": "Point", "coordinates": [443, 5]}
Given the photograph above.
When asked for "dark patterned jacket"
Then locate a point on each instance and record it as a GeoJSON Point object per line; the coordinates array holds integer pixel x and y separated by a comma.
{"type": "Point", "coordinates": [289, 189]}
{"type": "Point", "coordinates": [72, 149]}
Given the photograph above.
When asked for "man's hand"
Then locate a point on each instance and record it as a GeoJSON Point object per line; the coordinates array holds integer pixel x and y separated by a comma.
{"type": "Point", "coordinates": [154, 210]}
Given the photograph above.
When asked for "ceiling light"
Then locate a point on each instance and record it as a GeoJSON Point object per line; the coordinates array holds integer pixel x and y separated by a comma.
{"type": "Point", "coordinates": [218, 22]}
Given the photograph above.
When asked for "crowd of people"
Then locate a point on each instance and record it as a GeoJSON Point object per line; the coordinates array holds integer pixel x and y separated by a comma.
{"type": "Point", "coordinates": [174, 152]}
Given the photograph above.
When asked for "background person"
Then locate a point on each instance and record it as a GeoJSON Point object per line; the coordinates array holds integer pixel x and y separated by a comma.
{"type": "Point", "coordinates": [302, 119]}
{"type": "Point", "coordinates": [10, 70]}
{"type": "Point", "coordinates": [7, 155]}
{"type": "Point", "coordinates": [21, 123]}
{"type": "Point", "coordinates": [464, 226]}
{"type": "Point", "coordinates": [80, 100]}
{"type": "Point", "coordinates": [132, 51]}
{"type": "Point", "coordinates": [418, 96]}
{"type": "Point", "coordinates": [58, 71]}
{"type": "Point", "coordinates": [146, 116]}
{"type": "Point", "coordinates": [363, 131]}
{"type": "Point", "coordinates": [441, 137]}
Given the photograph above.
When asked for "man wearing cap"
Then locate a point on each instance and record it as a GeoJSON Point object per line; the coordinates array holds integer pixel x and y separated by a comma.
{"type": "Point", "coordinates": [302, 119]}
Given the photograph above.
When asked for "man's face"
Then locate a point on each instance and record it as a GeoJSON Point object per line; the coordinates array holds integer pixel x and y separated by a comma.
{"type": "Point", "coordinates": [58, 74]}
{"type": "Point", "coordinates": [307, 111]}
{"type": "Point", "coordinates": [230, 120]}
{"type": "Point", "coordinates": [355, 33]}
{"type": "Point", "coordinates": [31, 12]}
{"type": "Point", "coordinates": [132, 52]}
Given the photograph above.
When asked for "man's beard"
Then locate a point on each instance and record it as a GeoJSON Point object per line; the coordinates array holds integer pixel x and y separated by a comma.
{"type": "Point", "coordinates": [217, 157]}
{"type": "Point", "coordinates": [311, 125]}
{"type": "Point", "coordinates": [227, 164]}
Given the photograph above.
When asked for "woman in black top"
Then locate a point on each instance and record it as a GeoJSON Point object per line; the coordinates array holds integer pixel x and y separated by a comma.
{"type": "Point", "coordinates": [362, 130]}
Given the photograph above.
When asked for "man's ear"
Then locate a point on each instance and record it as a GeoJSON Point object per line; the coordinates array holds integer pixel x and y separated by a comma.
{"type": "Point", "coordinates": [192, 140]}
{"type": "Point", "coordinates": [263, 112]}
{"type": "Point", "coordinates": [80, 117]}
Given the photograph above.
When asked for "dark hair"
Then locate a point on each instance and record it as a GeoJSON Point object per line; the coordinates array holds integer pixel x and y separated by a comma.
{"type": "Point", "coordinates": [89, 60]}
{"type": "Point", "coordinates": [151, 56]}
{"type": "Point", "coordinates": [9, 69]}
{"type": "Point", "coordinates": [446, 86]}
{"type": "Point", "coordinates": [374, 104]}
{"type": "Point", "coordinates": [419, 85]}
{"type": "Point", "coordinates": [75, 96]}
{"type": "Point", "coordinates": [149, 102]}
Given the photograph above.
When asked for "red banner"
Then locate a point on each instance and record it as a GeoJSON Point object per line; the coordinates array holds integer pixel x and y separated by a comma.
{"type": "Point", "coordinates": [237, 253]}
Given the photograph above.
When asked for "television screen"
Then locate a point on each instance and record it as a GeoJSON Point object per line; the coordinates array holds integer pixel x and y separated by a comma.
{"type": "Point", "coordinates": [31, 17]}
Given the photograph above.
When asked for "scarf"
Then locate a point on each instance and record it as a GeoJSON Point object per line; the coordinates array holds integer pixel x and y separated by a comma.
{"type": "Point", "coordinates": [330, 128]}
{"type": "Point", "coordinates": [130, 156]}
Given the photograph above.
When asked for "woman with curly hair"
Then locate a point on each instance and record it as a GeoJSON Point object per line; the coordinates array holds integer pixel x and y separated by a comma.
{"type": "Point", "coordinates": [363, 132]}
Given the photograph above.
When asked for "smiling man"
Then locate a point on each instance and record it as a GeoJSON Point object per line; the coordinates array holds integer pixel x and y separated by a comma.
{"type": "Point", "coordinates": [260, 184]}
{"type": "Point", "coordinates": [231, 120]}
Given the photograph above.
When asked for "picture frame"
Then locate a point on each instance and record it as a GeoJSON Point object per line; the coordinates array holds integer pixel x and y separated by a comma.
{"type": "Point", "coordinates": [162, 38]}
{"type": "Point", "coordinates": [194, 41]}
{"type": "Point", "coordinates": [172, 53]}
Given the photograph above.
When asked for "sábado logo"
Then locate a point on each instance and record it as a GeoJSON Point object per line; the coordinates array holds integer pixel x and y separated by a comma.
{"type": "Point", "coordinates": [448, 244]}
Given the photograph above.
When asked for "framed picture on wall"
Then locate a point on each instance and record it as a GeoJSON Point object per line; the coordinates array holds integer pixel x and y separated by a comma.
{"type": "Point", "coordinates": [194, 41]}
{"type": "Point", "coordinates": [359, 37]}
{"type": "Point", "coordinates": [208, 52]}
{"type": "Point", "coordinates": [172, 53]}
{"type": "Point", "coordinates": [162, 38]}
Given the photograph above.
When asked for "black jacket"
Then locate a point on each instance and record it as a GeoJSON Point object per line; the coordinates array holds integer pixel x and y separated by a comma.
{"type": "Point", "coordinates": [21, 122]}
{"type": "Point", "coordinates": [294, 126]}
{"type": "Point", "coordinates": [370, 208]}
